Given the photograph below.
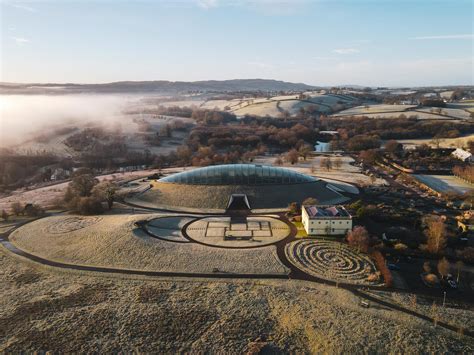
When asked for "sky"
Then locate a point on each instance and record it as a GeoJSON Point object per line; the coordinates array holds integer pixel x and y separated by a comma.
{"type": "Point", "coordinates": [318, 42]}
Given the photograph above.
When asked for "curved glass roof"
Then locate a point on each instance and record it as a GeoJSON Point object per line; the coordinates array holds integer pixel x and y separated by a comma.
{"type": "Point", "coordinates": [238, 174]}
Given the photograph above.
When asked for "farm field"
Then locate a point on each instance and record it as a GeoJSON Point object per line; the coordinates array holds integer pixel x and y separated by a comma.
{"type": "Point", "coordinates": [445, 183]}
{"type": "Point", "coordinates": [416, 114]}
{"type": "Point", "coordinates": [221, 104]}
{"type": "Point", "coordinates": [453, 112]}
{"type": "Point", "coordinates": [467, 105]}
{"type": "Point", "coordinates": [184, 103]}
{"type": "Point", "coordinates": [373, 109]}
{"type": "Point", "coordinates": [291, 103]}
{"type": "Point", "coordinates": [44, 309]}
{"type": "Point", "coordinates": [259, 109]}
{"type": "Point", "coordinates": [114, 241]}
{"type": "Point", "coordinates": [459, 142]}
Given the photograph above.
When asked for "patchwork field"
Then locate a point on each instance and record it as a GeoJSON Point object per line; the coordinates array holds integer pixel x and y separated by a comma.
{"type": "Point", "coordinates": [374, 109]}
{"type": "Point", "coordinates": [415, 114]}
{"type": "Point", "coordinates": [272, 106]}
{"type": "Point", "coordinates": [452, 112]}
{"type": "Point", "coordinates": [114, 241]}
{"type": "Point", "coordinates": [259, 109]}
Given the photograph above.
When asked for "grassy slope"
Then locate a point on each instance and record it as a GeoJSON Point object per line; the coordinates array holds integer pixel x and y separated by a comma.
{"type": "Point", "coordinates": [80, 313]}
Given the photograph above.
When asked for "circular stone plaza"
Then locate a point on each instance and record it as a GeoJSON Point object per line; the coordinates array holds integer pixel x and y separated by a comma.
{"type": "Point", "coordinates": [237, 186]}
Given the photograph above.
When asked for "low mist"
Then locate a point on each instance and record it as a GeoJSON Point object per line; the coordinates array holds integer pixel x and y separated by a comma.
{"type": "Point", "coordinates": [24, 116]}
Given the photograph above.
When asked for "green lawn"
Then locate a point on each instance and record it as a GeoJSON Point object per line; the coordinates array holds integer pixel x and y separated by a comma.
{"type": "Point", "coordinates": [301, 232]}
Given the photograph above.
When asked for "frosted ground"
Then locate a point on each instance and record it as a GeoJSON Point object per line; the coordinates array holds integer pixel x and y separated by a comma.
{"type": "Point", "coordinates": [43, 308]}
{"type": "Point", "coordinates": [272, 106]}
{"type": "Point", "coordinates": [346, 173]}
{"type": "Point", "coordinates": [393, 111]}
{"type": "Point", "coordinates": [114, 241]}
{"type": "Point", "coordinates": [370, 109]}
{"type": "Point", "coordinates": [48, 196]}
{"type": "Point", "coordinates": [460, 142]}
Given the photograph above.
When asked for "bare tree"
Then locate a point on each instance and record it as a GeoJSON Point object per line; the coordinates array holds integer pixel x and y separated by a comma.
{"type": "Point", "coordinates": [359, 237]}
{"type": "Point", "coordinates": [391, 146]}
{"type": "Point", "coordinates": [373, 179]}
{"type": "Point", "coordinates": [304, 150]}
{"type": "Point", "coordinates": [337, 163]}
{"type": "Point", "coordinates": [83, 184]}
{"type": "Point", "coordinates": [16, 208]}
{"type": "Point", "coordinates": [436, 141]}
{"type": "Point", "coordinates": [310, 201]}
{"type": "Point", "coordinates": [292, 156]}
{"type": "Point", "coordinates": [4, 215]}
{"type": "Point", "coordinates": [427, 267]}
{"type": "Point", "coordinates": [436, 234]}
{"type": "Point", "coordinates": [105, 191]}
{"type": "Point", "coordinates": [294, 208]}
{"type": "Point", "coordinates": [326, 163]}
{"type": "Point", "coordinates": [459, 267]}
{"type": "Point", "coordinates": [444, 267]}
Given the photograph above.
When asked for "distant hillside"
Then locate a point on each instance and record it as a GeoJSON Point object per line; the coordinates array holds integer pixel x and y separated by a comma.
{"type": "Point", "coordinates": [156, 86]}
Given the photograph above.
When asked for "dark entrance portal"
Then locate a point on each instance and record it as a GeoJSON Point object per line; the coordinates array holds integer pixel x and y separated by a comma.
{"type": "Point", "coordinates": [238, 203]}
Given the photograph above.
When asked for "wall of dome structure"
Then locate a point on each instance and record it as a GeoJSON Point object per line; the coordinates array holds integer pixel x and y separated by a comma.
{"type": "Point", "coordinates": [239, 174]}
{"type": "Point", "coordinates": [210, 188]}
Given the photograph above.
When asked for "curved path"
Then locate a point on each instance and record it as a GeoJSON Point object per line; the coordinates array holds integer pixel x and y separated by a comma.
{"type": "Point", "coordinates": [295, 273]}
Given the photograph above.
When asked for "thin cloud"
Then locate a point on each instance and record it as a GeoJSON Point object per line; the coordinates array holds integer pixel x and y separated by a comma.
{"type": "Point", "coordinates": [346, 50]}
{"type": "Point", "coordinates": [20, 40]}
{"type": "Point", "coordinates": [463, 36]}
{"type": "Point", "coordinates": [268, 7]}
{"type": "Point", "coordinates": [207, 4]}
{"type": "Point", "coordinates": [19, 6]}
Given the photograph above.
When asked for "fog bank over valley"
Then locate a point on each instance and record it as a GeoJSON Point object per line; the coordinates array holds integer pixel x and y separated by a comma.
{"type": "Point", "coordinates": [24, 116]}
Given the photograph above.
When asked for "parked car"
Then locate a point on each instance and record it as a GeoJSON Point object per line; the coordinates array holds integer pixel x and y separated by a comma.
{"type": "Point", "coordinates": [452, 284]}
{"type": "Point", "coordinates": [393, 267]}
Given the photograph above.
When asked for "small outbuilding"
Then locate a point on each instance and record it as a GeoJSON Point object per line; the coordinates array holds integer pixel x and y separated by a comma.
{"type": "Point", "coordinates": [462, 155]}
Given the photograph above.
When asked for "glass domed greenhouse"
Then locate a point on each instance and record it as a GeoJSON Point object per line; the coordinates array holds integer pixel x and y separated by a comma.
{"type": "Point", "coordinates": [239, 174]}
{"type": "Point", "coordinates": [215, 187]}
